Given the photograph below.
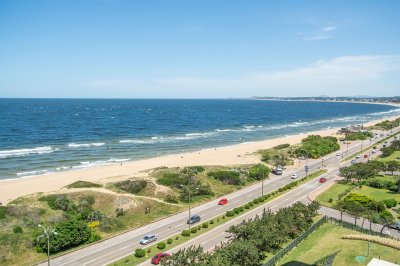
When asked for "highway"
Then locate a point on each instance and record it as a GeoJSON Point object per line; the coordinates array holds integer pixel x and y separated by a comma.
{"type": "Point", "coordinates": [112, 249]}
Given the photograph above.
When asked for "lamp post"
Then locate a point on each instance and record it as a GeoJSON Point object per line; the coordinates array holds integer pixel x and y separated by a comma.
{"type": "Point", "coordinates": [188, 189]}
{"type": "Point", "coordinates": [47, 232]}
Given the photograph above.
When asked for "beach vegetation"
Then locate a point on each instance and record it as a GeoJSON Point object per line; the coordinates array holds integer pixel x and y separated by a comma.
{"type": "Point", "coordinates": [281, 146]}
{"type": "Point", "coordinates": [279, 155]}
{"type": "Point", "coordinates": [315, 146]}
{"type": "Point", "coordinates": [387, 125]}
{"type": "Point", "coordinates": [171, 198]}
{"type": "Point", "coordinates": [363, 135]}
{"type": "Point", "coordinates": [2, 212]}
{"type": "Point", "coordinates": [83, 184]}
{"type": "Point", "coordinates": [132, 186]}
{"type": "Point", "coordinates": [259, 171]}
{"type": "Point", "coordinates": [228, 177]}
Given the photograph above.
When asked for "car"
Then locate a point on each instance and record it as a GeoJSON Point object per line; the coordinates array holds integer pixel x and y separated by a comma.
{"type": "Point", "coordinates": [365, 155]}
{"type": "Point", "coordinates": [193, 219]}
{"type": "Point", "coordinates": [158, 257]}
{"type": "Point", "coordinates": [294, 176]}
{"type": "Point", "coordinates": [277, 171]}
{"type": "Point", "coordinates": [223, 201]}
{"type": "Point", "coordinates": [353, 161]}
{"type": "Point", "coordinates": [322, 180]}
{"type": "Point", "coordinates": [358, 156]}
{"type": "Point", "coordinates": [384, 145]}
{"type": "Point", "coordinates": [395, 226]}
{"type": "Point", "coordinates": [373, 151]}
{"type": "Point", "coordinates": [148, 239]}
{"type": "Point", "coordinates": [374, 147]}
{"type": "Point", "coordinates": [338, 154]}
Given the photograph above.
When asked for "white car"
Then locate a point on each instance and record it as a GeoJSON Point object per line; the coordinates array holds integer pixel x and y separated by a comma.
{"type": "Point", "coordinates": [294, 176]}
{"type": "Point", "coordinates": [358, 156]}
{"type": "Point", "coordinates": [373, 151]}
{"type": "Point", "coordinates": [338, 154]}
{"type": "Point", "coordinates": [148, 239]}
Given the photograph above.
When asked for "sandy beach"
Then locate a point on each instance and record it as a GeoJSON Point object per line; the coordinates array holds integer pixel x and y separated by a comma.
{"type": "Point", "coordinates": [229, 155]}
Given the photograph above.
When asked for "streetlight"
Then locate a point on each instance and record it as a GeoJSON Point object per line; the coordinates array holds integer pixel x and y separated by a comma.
{"type": "Point", "coordinates": [188, 189]}
{"type": "Point", "coordinates": [47, 233]}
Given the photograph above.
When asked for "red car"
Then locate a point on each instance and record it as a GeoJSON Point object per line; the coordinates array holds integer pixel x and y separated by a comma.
{"type": "Point", "coordinates": [223, 201]}
{"type": "Point", "coordinates": [158, 257]}
{"type": "Point", "coordinates": [322, 180]}
{"type": "Point", "coordinates": [365, 155]}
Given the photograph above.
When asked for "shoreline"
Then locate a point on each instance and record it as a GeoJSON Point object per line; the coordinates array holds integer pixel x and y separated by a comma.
{"type": "Point", "coordinates": [242, 153]}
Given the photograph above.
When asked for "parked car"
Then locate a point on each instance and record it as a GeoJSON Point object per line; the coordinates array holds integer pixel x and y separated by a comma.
{"type": "Point", "coordinates": [322, 180]}
{"type": "Point", "coordinates": [194, 219]}
{"type": "Point", "coordinates": [158, 257]}
{"type": "Point", "coordinates": [277, 171]}
{"type": "Point", "coordinates": [223, 201]}
{"type": "Point", "coordinates": [395, 226]}
{"type": "Point", "coordinates": [294, 176]}
{"type": "Point", "coordinates": [373, 151]}
{"type": "Point", "coordinates": [148, 239]}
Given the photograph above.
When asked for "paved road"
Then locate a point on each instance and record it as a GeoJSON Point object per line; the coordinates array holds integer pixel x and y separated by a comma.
{"type": "Point", "coordinates": [117, 247]}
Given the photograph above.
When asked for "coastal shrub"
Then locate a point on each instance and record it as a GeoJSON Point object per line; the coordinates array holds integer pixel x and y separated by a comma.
{"type": "Point", "coordinates": [177, 237]}
{"type": "Point", "coordinates": [161, 245]}
{"type": "Point", "coordinates": [17, 229]}
{"type": "Point", "coordinates": [315, 146]}
{"type": "Point", "coordinates": [255, 201]}
{"type": "Point", "coordinates": [379, 183]}
{"type": "Point", "coordinates": [83, 184]}
{"type": "Point", "coordinates": [388, 125]}
{"type": "Point", "coordinates": [149, 250]}
{"type": "Point", "coordinates": [173, 180]}
{"type": "Point", "coordinates": [223, 217]}
{"type": "Point", "coordinates": [140, 253]}
{"type": "Point", "coordinates": [236, 210]}
{"type": "Point", "coordinates": [196, 169]}
{"type": "Point", "coordinates": [119, 212]}
{"type": "Point", "coordinates": [359, 135]}
{"type": "Point", "coordinates": [132, 186]}
{"type": "Point", "coordinates": [169, 241]}
{"type": "Point", "coordinates": [281, 146]}
{"type": "Point", "coordinates": [199, 228]}
{"type": "Point", "coordinates": [241, 209]}
{"type": "Point", "coordinates": [59, 202]}
{"type": "Point", "coordinates": [171, 198]}
{"type": "Point", "coordinates": [390, 203]}
{"type": "Point", "coordinates": [202, 190]}
{"type": "Point", "coordinates": [2, 212]}
{"type": "Point", "coordinates": [259, 171]}
{"type": "Point", "coordinates": [87, 200]}
{"type": "Point", "coordinates": [227, 177]}
{"type": "Point", "coordinates": [94, 236]}
{"type": "Point", "coordinates": [247, 206]}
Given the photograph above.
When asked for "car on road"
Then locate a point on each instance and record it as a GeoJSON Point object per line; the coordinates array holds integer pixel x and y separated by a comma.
{"type": "Point", "coordinates": [395, 226]}
{"type": "Point", "coordinates": [353, 161]}
{"type": "Point", "coordinates": [338, 154]}
{"type": "Point", "coordinates": [148, 239]}
{"type": "Point", "coordinates": [223, 201]}
{"type": "Point", "coordinates": [358, 156]}
{"type": "Point", "coordinates": [373, 151]}
{"type": "Point", "coordinates": [193, 219]}
{"type": "Point", "coordinates": [365, 155]}
{"type": "Point", "coordinates": [384, 145]}
{"type": "Point", "coordinates": [322, 180]}
{"type": "Point", "coordinates": [277, 171]}
{"type": "Point", "coordinates": [294, 176]}
{"type": "Point", "coordinates": [158, 257]}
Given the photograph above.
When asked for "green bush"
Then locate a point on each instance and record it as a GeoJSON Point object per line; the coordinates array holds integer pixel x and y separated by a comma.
{"type": "Point", "coordinates": [281, 146]}
{"type": "Point", "coordinates": [177, 237]}
{"type": "Point", "coordinates": [193, 230]}
{"type": "Point", "coordinates": [172, 180]}
{"type": "Point", "coordinates": [315, 146]}
{"type": "Point", "coordinates": [359, 135]}
{"type": "Point", "coordinates": [132, 186]}
{"type": "Point", "coordinates": [236, 210]}
{"type": "Point", "coordinates": [140, 253]}
{"type": "Point", "coordinates": [171, 198]}
{"type": "Point", "coordinates": [94, 237]}
{"type": "Point", "coordinates": [241, 208]}
{"type": "Point", "coordinates": [17, 229]}
{"type": "Point", "coordinates": [211, 221]}
{"type": "Point", "coordinates": [223, 216]}
{"type": "Point", "coordinates": [255, 201]}
{"type": "Point", "coordinates": [161, 245]}
{"type": "Point", "coordinates": [185, 233]}
{"type": "Point", "coordinates": [83, 184]}
{"type": "Point", "coordinates": [390, 203]}
{"type": "Point", "coordinates": [259, 171]}
{"type": "Point", "coordinates": [229, 214]}
{"type": "Point", "coordinates": [2, 212]}
{"type": "Point", "coordinates": [204, 225]}
{"type": "Point", "coordinates": [169, 241]}
{"type": "Point", "coordinates": [59, 202]}
{"type": "Point", "coordinates": [227, 177]}
{"type": "Point", "coordinates": [330, 200]}
{"type": "Point", "coordinates": [247, 206]}
{"type": "Point", "coordinates": [149, 250]}
{"type": "Point", "coordinates": [199, 228]}
{"type": "Point", "coordinates": [196, 169]}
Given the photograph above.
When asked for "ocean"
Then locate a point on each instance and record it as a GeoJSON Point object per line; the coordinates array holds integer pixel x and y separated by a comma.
{"type": "Point", "coordinates": [41, 136]}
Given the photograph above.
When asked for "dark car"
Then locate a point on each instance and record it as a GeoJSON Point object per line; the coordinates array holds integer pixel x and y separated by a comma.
{"type": "Point", "coordinates": [194, 219]}
{"type": "Point", "coordinates": [395, 226]}
{"type": "Point", "coordinates": [158, 257]}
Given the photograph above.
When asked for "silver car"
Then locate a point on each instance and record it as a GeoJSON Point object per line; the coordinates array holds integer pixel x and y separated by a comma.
{"type": "Point", "coordinates": [148, 239]}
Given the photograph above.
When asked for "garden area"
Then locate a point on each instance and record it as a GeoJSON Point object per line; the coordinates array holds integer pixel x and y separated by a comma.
{"type": "Point", "coordinates": [327, 240]}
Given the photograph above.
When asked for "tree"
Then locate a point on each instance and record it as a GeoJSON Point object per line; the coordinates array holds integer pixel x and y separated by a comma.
{"type": "Point", "coordinates": [259, 172]}
{"type": "Point", "coordinates": [392, 166]}
{"type": "Point", "coordinates": [385, 218]}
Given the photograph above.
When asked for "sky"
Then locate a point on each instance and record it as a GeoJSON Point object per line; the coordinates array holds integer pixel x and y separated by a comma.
{"type": "Point", "coordinates": [198, 49]}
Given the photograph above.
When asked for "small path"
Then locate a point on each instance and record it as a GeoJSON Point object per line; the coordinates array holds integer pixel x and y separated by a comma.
{"type": "Point", "coordinates": [107, 191]}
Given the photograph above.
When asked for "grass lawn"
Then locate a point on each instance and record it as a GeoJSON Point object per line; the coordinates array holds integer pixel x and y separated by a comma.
{"type": "Point", "coordinates": [331, 193]}
{"type": "Point", "coordinates": [394, 156]}
{"type": "Point", "coordinates": [377, 194]}
{"type": "Point", "coordinates": [327, 239]}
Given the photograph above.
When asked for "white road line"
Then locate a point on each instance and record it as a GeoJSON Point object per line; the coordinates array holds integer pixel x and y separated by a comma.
{"type": "Point", "coordinates": [89, 262]}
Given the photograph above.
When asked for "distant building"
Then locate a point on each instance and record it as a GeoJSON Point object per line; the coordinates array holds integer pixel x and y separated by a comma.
{"type": "Point", "coordinates": [351, 129]}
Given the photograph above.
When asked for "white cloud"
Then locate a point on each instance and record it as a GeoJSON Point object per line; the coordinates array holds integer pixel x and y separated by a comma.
{"type": "Point", "coordinates": [317, 37]}
{"type": "Point", "coordinates": [329, 28]}
{"type": "Point", "coordinates": [348, 75]}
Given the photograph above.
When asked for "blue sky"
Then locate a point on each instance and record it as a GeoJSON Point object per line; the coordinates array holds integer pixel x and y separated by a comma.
{"type": "Point", "coordinates": [198, 49]}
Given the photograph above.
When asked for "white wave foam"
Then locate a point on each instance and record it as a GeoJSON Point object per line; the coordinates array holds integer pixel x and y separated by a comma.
{"type": "Point", "coordinates": [85, 145]}
{"type": "Point", "coordinates": [33, 173]}
{"type": "Point", "coordinates": [25, 152]}
{"type": "Point", "coordinates": [100, 163]}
